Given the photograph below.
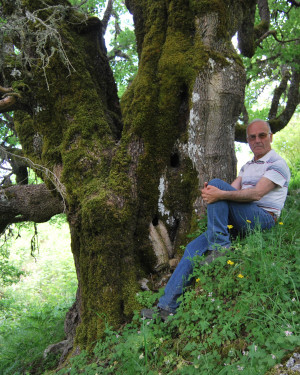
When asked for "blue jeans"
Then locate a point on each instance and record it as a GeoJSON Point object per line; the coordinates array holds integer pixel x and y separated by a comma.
{"type": "Point", "coordinates": [219, 215]}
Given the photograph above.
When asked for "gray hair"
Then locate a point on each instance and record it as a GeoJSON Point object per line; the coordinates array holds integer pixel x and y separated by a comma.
{"type": "Point", "coordinates": [259, 120]}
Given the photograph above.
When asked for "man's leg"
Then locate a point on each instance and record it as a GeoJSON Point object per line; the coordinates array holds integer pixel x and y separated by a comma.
{"type": "Point", "coordinates": [242, 215]}
{"type": "Point", "coordinates": [246, 217]}
{"type": "Point", "coordinates": [217, 219]}
{"type": "Point", "coordinates": [180, 277]}
{"type": "Point", "coordinates": [220, 214]}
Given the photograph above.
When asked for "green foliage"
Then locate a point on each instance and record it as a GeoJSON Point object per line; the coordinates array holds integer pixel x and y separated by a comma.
{"type": "Point", "coordinates": [9, 274]}
{"type": "Point", "coordinates": [7, 136]}
{"type": "Point", "coordinates": [265, 69]}
{"type": "Point", "coordinates": [90, 6]}
{"type": "Point", "coordinates": [124, 68]}
{"type": "Point", "coordinates": [32, 311]}
{"type": "Point", "coordinates": [241, 314]}
{"type": "Point", "coordinates": [287, 143]}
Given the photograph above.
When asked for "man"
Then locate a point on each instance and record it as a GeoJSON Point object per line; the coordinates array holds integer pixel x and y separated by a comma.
{"type": "Point", "coordinates": [255, 197]}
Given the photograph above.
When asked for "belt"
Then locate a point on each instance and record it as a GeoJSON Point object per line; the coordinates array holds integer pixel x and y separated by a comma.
{"type": "Point", "coordinates": [273, 215]}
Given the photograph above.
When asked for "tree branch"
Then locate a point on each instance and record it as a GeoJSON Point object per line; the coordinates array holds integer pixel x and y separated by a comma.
{"type": "Point", "coordinates": [295, 3]}
{"type": "Point", "coordinates": [264, 11]}
{"type": "Point", "coordinates": [293, 100]}
{"type": "Point", "coordinates": [28, 203]}
{"type": "Point", "coordinates": [246, 31]}
{"type": "Point", "coordinates": [265, 35]}
{"type": "Point", "coordinates": [278, 92]}
{"type": "Point", "coordinates": [240, 133]}
{"type": "Point", "coordinates": [8, 104]}
{"type": "Point", "coordinates": [118, 53]}
{"type": "Point", "coordinates": [107, 15]}
{"type": "Point", "coordinates": [5, 90]}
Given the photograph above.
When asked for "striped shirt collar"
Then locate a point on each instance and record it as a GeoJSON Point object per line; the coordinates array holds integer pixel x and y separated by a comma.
{"type": "Point", "coordinates": [263, 159]}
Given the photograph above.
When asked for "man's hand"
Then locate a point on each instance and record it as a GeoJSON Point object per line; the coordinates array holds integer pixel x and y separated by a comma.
{"type": "Point", "coordinates": [211, 194]}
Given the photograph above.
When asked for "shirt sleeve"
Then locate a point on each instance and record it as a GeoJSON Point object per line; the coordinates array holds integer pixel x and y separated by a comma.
{"type": "Point", "coordinates": [278, 172]}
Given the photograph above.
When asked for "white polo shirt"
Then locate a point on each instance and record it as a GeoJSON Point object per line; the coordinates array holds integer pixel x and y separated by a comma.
{"type": "Point", "coordinates": [273, 167]}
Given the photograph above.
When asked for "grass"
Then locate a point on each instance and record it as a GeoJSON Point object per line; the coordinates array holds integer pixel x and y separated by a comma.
{"type": "Point", "coordinates": [240, 316]}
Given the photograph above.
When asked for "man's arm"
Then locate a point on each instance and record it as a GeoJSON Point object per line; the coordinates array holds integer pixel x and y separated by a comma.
{"type": "Point", "coordinates": [211, 194]}
{"type": "Point", "coordinates": [237, 183]}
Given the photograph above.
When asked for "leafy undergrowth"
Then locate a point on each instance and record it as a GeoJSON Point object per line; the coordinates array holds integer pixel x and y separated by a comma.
{"type": "Point", "coordinates": [32, 311]}
{"type": "Point", "coordinates": [241, 316]}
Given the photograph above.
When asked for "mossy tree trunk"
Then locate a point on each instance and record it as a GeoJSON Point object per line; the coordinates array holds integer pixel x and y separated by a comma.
{"type": "Point", "coordinates": [180, 112]}
{"type": "Point", "coordinates": [132, 191]}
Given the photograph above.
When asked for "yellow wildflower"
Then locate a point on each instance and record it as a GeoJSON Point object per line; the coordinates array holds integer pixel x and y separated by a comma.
{"type": "Point", "coordinates": [229, 226]}
{"type": "Point", "coordinates": [240, 276]}
{"type": "Point", "coordinates": [280, 223]}
{"type": "Point", "coordinates": [197, 280]}
{"type": "Point", "coordinates": [230, 262]}
{"type": "Point", "coordinates": [248, 221]}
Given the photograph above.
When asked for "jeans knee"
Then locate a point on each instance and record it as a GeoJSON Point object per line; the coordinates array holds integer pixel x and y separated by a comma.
{"type": "Point", "coordinates": [216, 182]}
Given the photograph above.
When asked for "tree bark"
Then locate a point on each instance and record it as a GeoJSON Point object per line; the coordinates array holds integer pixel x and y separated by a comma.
{"type": "Point", "coordinates": [27, 203]}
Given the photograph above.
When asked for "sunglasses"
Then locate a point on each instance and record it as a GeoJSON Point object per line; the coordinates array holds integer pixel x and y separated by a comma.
{"type": "Point", "coordinates": [253, 137]}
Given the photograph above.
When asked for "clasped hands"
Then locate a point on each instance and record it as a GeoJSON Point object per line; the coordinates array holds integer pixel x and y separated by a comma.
{"type": "Point", "coordinates": [210, 194]}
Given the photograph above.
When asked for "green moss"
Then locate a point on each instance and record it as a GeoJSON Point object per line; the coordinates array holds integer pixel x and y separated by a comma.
{"type": "Point", "coordinates": [25, 128]}
{"type": "Point", "coordinates": [261, 29]}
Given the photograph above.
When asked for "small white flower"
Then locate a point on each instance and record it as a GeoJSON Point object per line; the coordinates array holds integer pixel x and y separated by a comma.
{"type": "Point", "coordinates": [199, 356]}
{"type": "Point", "coordinates": [141, 356]}
{"type": "Point", "coordinates": [240, 368]}
{"type": "Point", "coordinates": [273, 356]}
{"type": "Point", "coordinates": [288, 333]}
{"type": "Point", "coordinates": [212, 300]}
{"type": "Point", "coordinates": [148, 323]}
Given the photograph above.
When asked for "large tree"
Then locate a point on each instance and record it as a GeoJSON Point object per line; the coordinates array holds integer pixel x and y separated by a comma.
{"type": "Point", "coordinates": [128, 177]}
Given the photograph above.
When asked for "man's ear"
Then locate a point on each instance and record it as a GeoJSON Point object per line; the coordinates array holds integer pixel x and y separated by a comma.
{"type": "Point", "coordinates": [271, 137]}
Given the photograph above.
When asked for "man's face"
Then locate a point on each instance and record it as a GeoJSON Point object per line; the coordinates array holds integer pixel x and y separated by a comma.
{"type": "Point", "coordinates": [259, 139]}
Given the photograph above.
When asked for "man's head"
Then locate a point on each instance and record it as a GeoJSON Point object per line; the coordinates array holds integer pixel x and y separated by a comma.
{"type": "Point", "coordinates": [259, 137]}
